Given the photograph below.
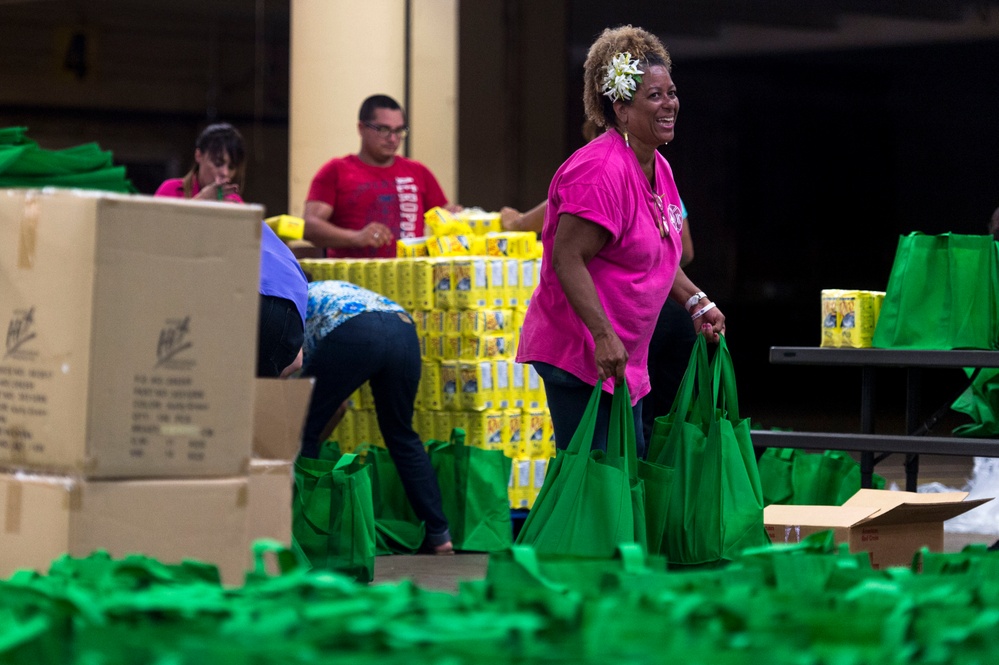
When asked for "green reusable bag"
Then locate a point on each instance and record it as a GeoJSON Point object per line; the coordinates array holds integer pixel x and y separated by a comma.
{"type": "Point", "coordinates": [980, 402]}
{"type": "Point", "coordinates": [333, 522]}
{"type": "Point", "coordinates": [942, 294]}
{"type": "Point", "coordinates": [828, 478]}
{"type": "Point", "coordinates": [591, 500]}
{"type": "Point", "coordinates": [776, 466]}
{"type": "Point", "coordinates": [474, 491]}
{"type": "Point", "coordinates": [397, 528]}
{"type": "Point", "coordinates": [716, 508]}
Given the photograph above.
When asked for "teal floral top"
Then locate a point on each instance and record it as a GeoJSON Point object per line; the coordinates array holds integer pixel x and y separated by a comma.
{"type": "Point", "coordinates": [333, 302]}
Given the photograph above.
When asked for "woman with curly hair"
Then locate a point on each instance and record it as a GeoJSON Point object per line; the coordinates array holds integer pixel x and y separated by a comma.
{"type": "Point", "coordinates": [612, 240]}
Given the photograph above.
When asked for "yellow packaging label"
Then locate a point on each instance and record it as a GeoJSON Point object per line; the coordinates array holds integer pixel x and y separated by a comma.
{"type": "Point", "coordinates": [511, 283]}
{"type": "Point", "coordinates": [443, 423]}
{"type": "Point", "coordinates": [424, 294]}
{"type": "Point", "coordinates": [496, 274]}
{"type": "Point", "coordinates": [373, 275]}
{"type": "Point", "coordinates": [341, 269]}
{"type": "Point", "coordinates": [471, 286]}
{"type": "Point", "coordinates": [534, 431]}
{"type": "Point", "coordinates": [420, 321]}
{"type": "Point", "coordinates": [480, 221]}
{"type": "Point", "coordinates": [518, 385]}
{"type": "Point", "coordinates": [513, 244]}
{"type": "Point", "coordinates": [520, 483]}
{"type": "Point", "coordinates": [390, 280]}
{"type": "Point", "coordinates": [449, 385]}
{"type": "Point", "coordinates": [452, 322]}
{"type": "Point", "coordinates": [435, 322]}
{"type": "Point", "coordinates": [513, 432]}
{"type": "Point", "coordinates": [452, 346]}
{"type": "Point", "coordinates": [430, 385]}
{"type": "Point", "coordinates": [476, 383]}
{"type": "Point", "coordinates": [527, 283]}
{"type": "Point", "coordinates": [879, 298]}
{"type": "Point", "coordinates": [423, 423]}
{"type": "Point", "coordinates": [502, 368]}
{"type": "Point", "coordinates": [403, 269]}
{"type": "Point", "coordinates": [478, 322]}
{"type": "Point", "coordinates": [443, 291]}
{"type": "Point", "coordinates": [857, 319]}
{"type": "Point", "coordinates": [549, 449]}
{"type": "Point", "coordinates": [434, 349]}
{"type": "Point", "coordinates": [411, 248]}
{"type": "Point", "coordinates": [355, 272]}
{"type": "Point", "coordinates": [287, 227]}
{"type": "Point", "coordinates": [831, 323]}
{"type": "Point", "coordinates": [539, 469]}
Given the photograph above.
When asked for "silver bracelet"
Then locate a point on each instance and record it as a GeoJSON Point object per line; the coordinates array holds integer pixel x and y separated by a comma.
{"type": "Point", "coordinates": [699, 313]}
{"type": "Point", "coordinates": [694, 299]}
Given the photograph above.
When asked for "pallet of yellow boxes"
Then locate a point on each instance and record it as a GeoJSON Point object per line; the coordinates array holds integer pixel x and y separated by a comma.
{"type": "Point", "coordinates": [468, 294]}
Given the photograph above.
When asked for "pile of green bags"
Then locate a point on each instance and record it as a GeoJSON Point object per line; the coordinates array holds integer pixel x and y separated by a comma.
{"type": "Point", "coordinates": [808, 603]}
{"type": "Point", "coordinates": [24, 164]}
{"type": "Point", "coordinates": [796, 477]}
{"type": "Point", "coordinates": [348, 508]}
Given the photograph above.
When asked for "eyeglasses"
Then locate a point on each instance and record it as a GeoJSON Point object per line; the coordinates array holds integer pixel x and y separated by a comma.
{"type": "Point", "coordinates": [385, 130]}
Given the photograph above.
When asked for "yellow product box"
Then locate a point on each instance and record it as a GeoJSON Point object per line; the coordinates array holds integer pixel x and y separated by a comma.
{"type": "Point", "coordinates": [451, 349]}
{"type": "Point", "coordinates": [449, 385]}
{"type": "Point", "coordinates": [443, 283]}
{"type": "Point", "coordinates": [449, 246]}
{"type": "Point", "coordinates": [367, 397]}
{"type": "Point", "coordinates": [471, 287]}
{"type": "Point", "coordinates": [420, 321]}
{"type": "Point", "coordinates": [356, 273]}
{"type": "Point", "coordinates": [309, 267]}
{"type": "Point", "coordinates": [422, 276]}
{"type": "Point", "coordinates": [496, 274]}
{"type": "Point", "coordinates": [476, 385]}
{"type": "Point", "coordinates": [518, 318]}
{"type": "Point", "coordinates": [502, 369]}
{"type": "Point", "coordinates": [390, 280]}
{"type": "Point", "coordinates": [354, 400]}
{"type": "Point", "coordinates": [436, 324]}
{"type": "Point", "coordinates": [423, 423]}
{"type": "Point", "coordinates": [443, 422]}
{"type": "Point", "coordinates": [339, 269]}
{"type": "Point", "coordinates": [452, 321]}
{"type": "Point", "coordinates": [287, 227]}
{"type": "Point", "coordinates": [411, 248]}
{"type": "Point", "coordinates": [484, 429]}
{"type": "Point", "coordinates": [527, 283]}
{"type": "Point", "coordinates": [434, 348]}
{"type": "Point", "coordinates": [832, 332]}
{"type": "Point", "coordinates": [878, 298]}
{"type": "Point", "coordinates": [517, 244]}
{"type": "Point", "coordinates": [534, 431]}
{"type": "Point", "coordinates": [539, 469]}
{"type": "Point", "coordinates": [511, 281]}
{"type": "Point", "coordinates": [518, 380]}
{"type": "Point", "coordinates": [520, 483]}
{"type": "Point", "coordinates": [345, 432]}
{"type": "Point", "coordinates": [362, 431]}
{"type": "Point", "coordinates": [480, 221]}
{"type": "Point", "coordinates": [481, 321]}
{"type": "Point", "coordinates": [403, 269]}
{"type": "Point", "coordinates": [513, 432]}
{"type": "Point", "coordinates": [373, 275]}
{"type": "Point", "coordinates": [486, 346]}
{"type": "Point", "coordinates": [857, 319]}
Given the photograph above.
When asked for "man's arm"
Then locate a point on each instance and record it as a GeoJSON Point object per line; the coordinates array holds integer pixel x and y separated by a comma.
{"type": "Point", "coordinates": [322, 232]}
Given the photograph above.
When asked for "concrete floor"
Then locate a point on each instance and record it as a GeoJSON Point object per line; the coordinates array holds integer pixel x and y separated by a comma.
{"type": "Point", "coordinates": [443, 573]}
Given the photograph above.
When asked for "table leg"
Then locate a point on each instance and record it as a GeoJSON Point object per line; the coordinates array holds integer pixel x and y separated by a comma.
{"type": "Point", "coordinates": [867, 424]}
{"type": "Point", "coordinates": [913, 385]}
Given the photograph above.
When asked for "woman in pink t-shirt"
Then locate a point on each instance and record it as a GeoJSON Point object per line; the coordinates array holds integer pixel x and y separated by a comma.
{"type": "Point", "coordinates": [612, 240]}
{"type": "Point", "coordinates": [218, 169]}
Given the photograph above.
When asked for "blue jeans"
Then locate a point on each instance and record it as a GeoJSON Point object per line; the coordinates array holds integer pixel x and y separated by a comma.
{"type": "Point", "coordinates": [382, 348]}
{"type": "Point", "coordinates": [568, 397]}
{"type": "Point", "coordinates": [279, 335]}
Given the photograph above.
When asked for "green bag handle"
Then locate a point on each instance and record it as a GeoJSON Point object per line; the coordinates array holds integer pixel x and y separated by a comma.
{"type": "Point", "coordinates": [723, 382]}
{"type": "Point", "coordinates": [632, 558]}
{"type": "Point", "coordinates": [622, 448]}
{"type": "Point", "coordinates": [288, 560]}
{"type": "Point", "coordinates": [458, 436]}
{"type": "Point", "coordinates": [694, 391]}
{"type": "Point", "coordinates": [587, 424]}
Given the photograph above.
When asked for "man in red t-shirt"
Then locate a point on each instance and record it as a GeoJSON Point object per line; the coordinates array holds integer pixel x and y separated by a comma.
{"type": "Point", "coordinates": [359, 205]}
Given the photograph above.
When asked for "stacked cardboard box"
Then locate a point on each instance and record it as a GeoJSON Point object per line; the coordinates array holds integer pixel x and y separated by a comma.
{"type": "Point", "coordinates": [127, 376]}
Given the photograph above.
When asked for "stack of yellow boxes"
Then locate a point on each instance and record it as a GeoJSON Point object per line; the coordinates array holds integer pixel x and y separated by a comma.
{"type": "Point", "coordinates": [468, 311]}
{"type": "Point", "coordinates": [849, 317]}
{"type": "Point", "coordinates": [126, 385]}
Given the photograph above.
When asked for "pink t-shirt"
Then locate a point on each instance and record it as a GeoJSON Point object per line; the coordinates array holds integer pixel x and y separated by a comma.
{"type": "Point", "coordinates": [174, 188]}
{"type": "Point", "coordinates": [603, 182]}
{"type": "Point", "coordinates": [396, 195]}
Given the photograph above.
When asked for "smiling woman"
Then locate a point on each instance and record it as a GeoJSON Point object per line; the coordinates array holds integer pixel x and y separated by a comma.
{"type": "Point", "coordinates": [612, 239]}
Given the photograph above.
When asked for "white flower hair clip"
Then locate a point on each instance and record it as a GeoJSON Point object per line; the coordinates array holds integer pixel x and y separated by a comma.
{"type": "Point", "coordinates": [622, 78]}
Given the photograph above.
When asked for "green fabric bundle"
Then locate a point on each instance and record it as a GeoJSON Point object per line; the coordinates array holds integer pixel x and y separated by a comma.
{"type": "Point", "coordinates": [23, 163]}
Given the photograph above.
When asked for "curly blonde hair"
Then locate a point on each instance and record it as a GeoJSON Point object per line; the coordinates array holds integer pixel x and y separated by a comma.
{"type": "Point", "coordinates": [641, 44]}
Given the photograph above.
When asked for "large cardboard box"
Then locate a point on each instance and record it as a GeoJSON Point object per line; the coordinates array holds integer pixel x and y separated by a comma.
{"type": "Point", "coordinates": [891, 526]}
{"type": "Point", "coordinates": [131, 327]}
{"type": "Point", "coordinates": [268, 511]}
{"type": "Point", "coordinates": [279, 410]}
{"type": "Point", "coordinates": [44, 517]}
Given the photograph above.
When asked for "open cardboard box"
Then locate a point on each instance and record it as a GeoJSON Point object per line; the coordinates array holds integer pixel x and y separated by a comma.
{"type": "Point", "coordinates": [891, 526]}
{"type": "Point", "coordinates": [279, 410]}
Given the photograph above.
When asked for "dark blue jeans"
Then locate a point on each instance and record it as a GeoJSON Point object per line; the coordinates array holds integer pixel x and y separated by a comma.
{"type": "Point", "coordinates": [568, 397]}
{"type": "Point", "coordinates": [382, 348]}
{"type": "Point", "coordinates": [279, 336]}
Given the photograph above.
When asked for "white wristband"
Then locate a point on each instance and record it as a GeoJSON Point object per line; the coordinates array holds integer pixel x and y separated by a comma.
{"type": "Point", "coordinates": [699, 313]}
{"type": "Point", "coordinates": [694, 299]}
